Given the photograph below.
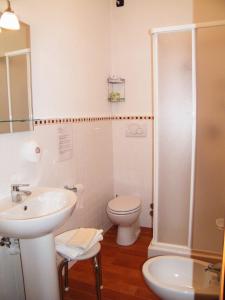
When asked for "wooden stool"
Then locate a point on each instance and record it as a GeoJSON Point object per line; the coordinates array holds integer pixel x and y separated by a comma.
{"type": "Point", "coordinates": [93, 253]}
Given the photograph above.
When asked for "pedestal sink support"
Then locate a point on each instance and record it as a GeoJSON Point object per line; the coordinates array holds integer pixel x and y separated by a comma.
{"type": "Point", "coordinates": [39, 268]}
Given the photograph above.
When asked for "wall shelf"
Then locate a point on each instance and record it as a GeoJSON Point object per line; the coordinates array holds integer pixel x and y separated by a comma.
{"type": "Point", "coordinates": [116, 89]}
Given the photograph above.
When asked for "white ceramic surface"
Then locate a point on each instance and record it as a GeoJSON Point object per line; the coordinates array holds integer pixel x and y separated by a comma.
{"type": "Point", "coordinates": [124, 204]}
{"type": "Point", "coordinates": [180, 278]}
{"type": "Point", "coordinates": [39, 214]}
{"type": "Point", "coordinates": [128, 226]}
{"type": "Point", "coordinates": [39, 254]}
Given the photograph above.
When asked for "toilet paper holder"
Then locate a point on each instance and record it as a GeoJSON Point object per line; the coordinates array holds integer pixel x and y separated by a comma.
{"type": "Point", "coordinates": [31, 151]}
{"type": "Point", "coordinates": [76, 188]}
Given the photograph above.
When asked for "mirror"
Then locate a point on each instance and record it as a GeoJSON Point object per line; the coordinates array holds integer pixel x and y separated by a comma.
{"type": "Point", "coordinates": [15, 80]}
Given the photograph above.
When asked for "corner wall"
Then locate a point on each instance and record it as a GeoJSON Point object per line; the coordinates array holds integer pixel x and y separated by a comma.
{"type": "Point", "coordinates": [208, 10]}
{"type": "Point", "coordinates": [70, 65]}
{"type": "Point", "coordinates": [131, 59]}
{"type": "Point", "coordinates": [70, 44]}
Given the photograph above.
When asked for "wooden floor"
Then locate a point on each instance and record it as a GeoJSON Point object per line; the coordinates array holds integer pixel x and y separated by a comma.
{"type": "Point", "coordinates": [121, 271]}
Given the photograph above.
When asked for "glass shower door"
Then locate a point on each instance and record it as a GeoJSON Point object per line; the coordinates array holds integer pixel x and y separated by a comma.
{"type": "Point", "coordinates": [210, 147]}
{"type": "Point", "coordinates": [174, 140]}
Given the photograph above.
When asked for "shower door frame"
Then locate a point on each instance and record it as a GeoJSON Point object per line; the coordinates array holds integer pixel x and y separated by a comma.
{"type": "Point", "coordinates": [155, 32]}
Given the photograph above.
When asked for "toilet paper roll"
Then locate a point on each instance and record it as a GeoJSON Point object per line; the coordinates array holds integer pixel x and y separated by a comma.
{"type": "Point", "coordinates": [31, 151]}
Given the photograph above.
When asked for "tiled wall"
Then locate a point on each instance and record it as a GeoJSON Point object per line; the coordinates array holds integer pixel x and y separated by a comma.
{"type": "Point", "coordinates": [132, 165]}
{"type": "Point", "coordinates": [39, 122]}
{"type": "Point", "coordinates": [91, 165]}
{"type": "Point", "coordinates": [131, 59]}
{"type": "Point", "coordinates": [132, 158]}
{"type": "Point", "coordinates": [104, 161]}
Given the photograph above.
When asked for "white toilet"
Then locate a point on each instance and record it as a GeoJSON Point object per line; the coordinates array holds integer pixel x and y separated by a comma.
{"type": "Point", "coordinates": [124, 211]}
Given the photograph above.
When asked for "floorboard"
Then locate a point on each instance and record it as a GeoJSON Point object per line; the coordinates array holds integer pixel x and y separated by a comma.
{"type": "Point", "coordinates": [121, 270]}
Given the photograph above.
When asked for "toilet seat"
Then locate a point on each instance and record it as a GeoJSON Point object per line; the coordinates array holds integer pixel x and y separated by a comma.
{"type": "Point", "coordinates": [123, 213]}
{"type": "Point", "coordinates": [124, 205]}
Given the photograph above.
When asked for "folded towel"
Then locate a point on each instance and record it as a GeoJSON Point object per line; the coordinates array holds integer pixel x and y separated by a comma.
{"type": "Point", "coordinates": [82, 238]}
{"type": "Point", "coordinates": [74, 243]}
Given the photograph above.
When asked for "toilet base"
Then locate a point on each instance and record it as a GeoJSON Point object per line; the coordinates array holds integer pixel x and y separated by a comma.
{"type": "Point", "coordinates": [127, 235]}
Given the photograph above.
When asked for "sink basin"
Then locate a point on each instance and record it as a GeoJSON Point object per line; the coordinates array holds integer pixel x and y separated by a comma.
{"type": "Point", "coordinates": [33, 221]}
{"type": "Point", "coordinates": [39, 214]}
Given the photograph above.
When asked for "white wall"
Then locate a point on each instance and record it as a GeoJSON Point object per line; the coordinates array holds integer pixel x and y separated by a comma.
{"type": "Point", "coordinates": [90, 165]}
{"type": "Point", "coordinates": [70, 64]}
{"type": "Point", "coordinates": [72, 45]}
{"type": "Point", "coordinates": [133, 165]}
{"type": "Point", "coordinates": [71, 61]}
{"type": "Point", "coordinates": [131, 46]}
{"type": "Point", "coordinates": [131, 59]}
{"type": "Point", "coordinates": [70, 56]}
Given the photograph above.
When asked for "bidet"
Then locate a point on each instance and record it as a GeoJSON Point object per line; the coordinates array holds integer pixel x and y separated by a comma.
{"type": "Point", "coordinates": [180, 278]}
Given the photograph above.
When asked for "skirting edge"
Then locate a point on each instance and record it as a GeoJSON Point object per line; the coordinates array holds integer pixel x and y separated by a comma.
{"type": "Point", "coordinates": [156, 249]}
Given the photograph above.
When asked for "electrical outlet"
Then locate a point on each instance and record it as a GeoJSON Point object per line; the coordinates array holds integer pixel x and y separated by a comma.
{"type": "Point", "coordinates": [119, 3]}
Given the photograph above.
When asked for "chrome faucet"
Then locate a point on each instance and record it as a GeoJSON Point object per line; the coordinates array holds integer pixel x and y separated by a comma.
{"type": "Point", "coordinates": [17, 194]}
{"type": "Point", "coordinates": [215, 268]}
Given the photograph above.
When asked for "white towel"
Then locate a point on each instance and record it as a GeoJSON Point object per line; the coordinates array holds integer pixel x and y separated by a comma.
{"type": "Point", "coordinates": [82, 238]}
{"type": "Point", "coordinates": [74, 243]}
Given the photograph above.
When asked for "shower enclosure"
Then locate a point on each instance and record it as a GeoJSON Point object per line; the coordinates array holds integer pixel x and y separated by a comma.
{"type": "Point", "coordinates": [189, 138]}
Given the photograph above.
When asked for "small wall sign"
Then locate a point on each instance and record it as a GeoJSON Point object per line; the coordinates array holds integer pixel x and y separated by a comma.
{"type": "Point", "coordinates": [65, 143]}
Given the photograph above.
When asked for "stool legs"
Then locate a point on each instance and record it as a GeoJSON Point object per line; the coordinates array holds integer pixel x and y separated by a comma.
{"type": "Point", "coordinates": [98, 274]}
{"type": "Point", "coordinates": [64, 284]}
{"type": "Point", "coordinates": [66, 277]}
{"type": "Point", "coordinates": [61, 266]}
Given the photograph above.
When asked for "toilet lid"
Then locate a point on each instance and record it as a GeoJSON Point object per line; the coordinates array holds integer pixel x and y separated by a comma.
{"type": "Point", "coordinates": [124, 204]}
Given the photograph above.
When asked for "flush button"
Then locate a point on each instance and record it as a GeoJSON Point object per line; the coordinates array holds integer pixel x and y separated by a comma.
{"type": "Point", "coordinates": [136, 130]}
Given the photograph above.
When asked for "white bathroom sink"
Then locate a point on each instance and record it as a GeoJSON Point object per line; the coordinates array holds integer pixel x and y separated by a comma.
{"type": "Point", "coordinates": [180, 278]}
{"type": "Point", "coordinates": [39, 214]}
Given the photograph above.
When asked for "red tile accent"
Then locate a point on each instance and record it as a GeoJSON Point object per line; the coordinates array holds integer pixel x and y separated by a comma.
{"type": "Point", "coordinates": [89, 119]}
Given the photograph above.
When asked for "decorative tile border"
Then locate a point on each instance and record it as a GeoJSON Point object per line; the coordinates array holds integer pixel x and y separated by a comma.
{"type": "Point", "coordinates": [133, 118]}
{"type": "Point", "coordinates": [88, 120]}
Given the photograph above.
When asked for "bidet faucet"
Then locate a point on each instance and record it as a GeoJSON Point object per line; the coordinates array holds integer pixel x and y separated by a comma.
{"type": "Point", "coordinates": [215, 268]}
{"type": "Point", "coordinates": [17, 194]}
